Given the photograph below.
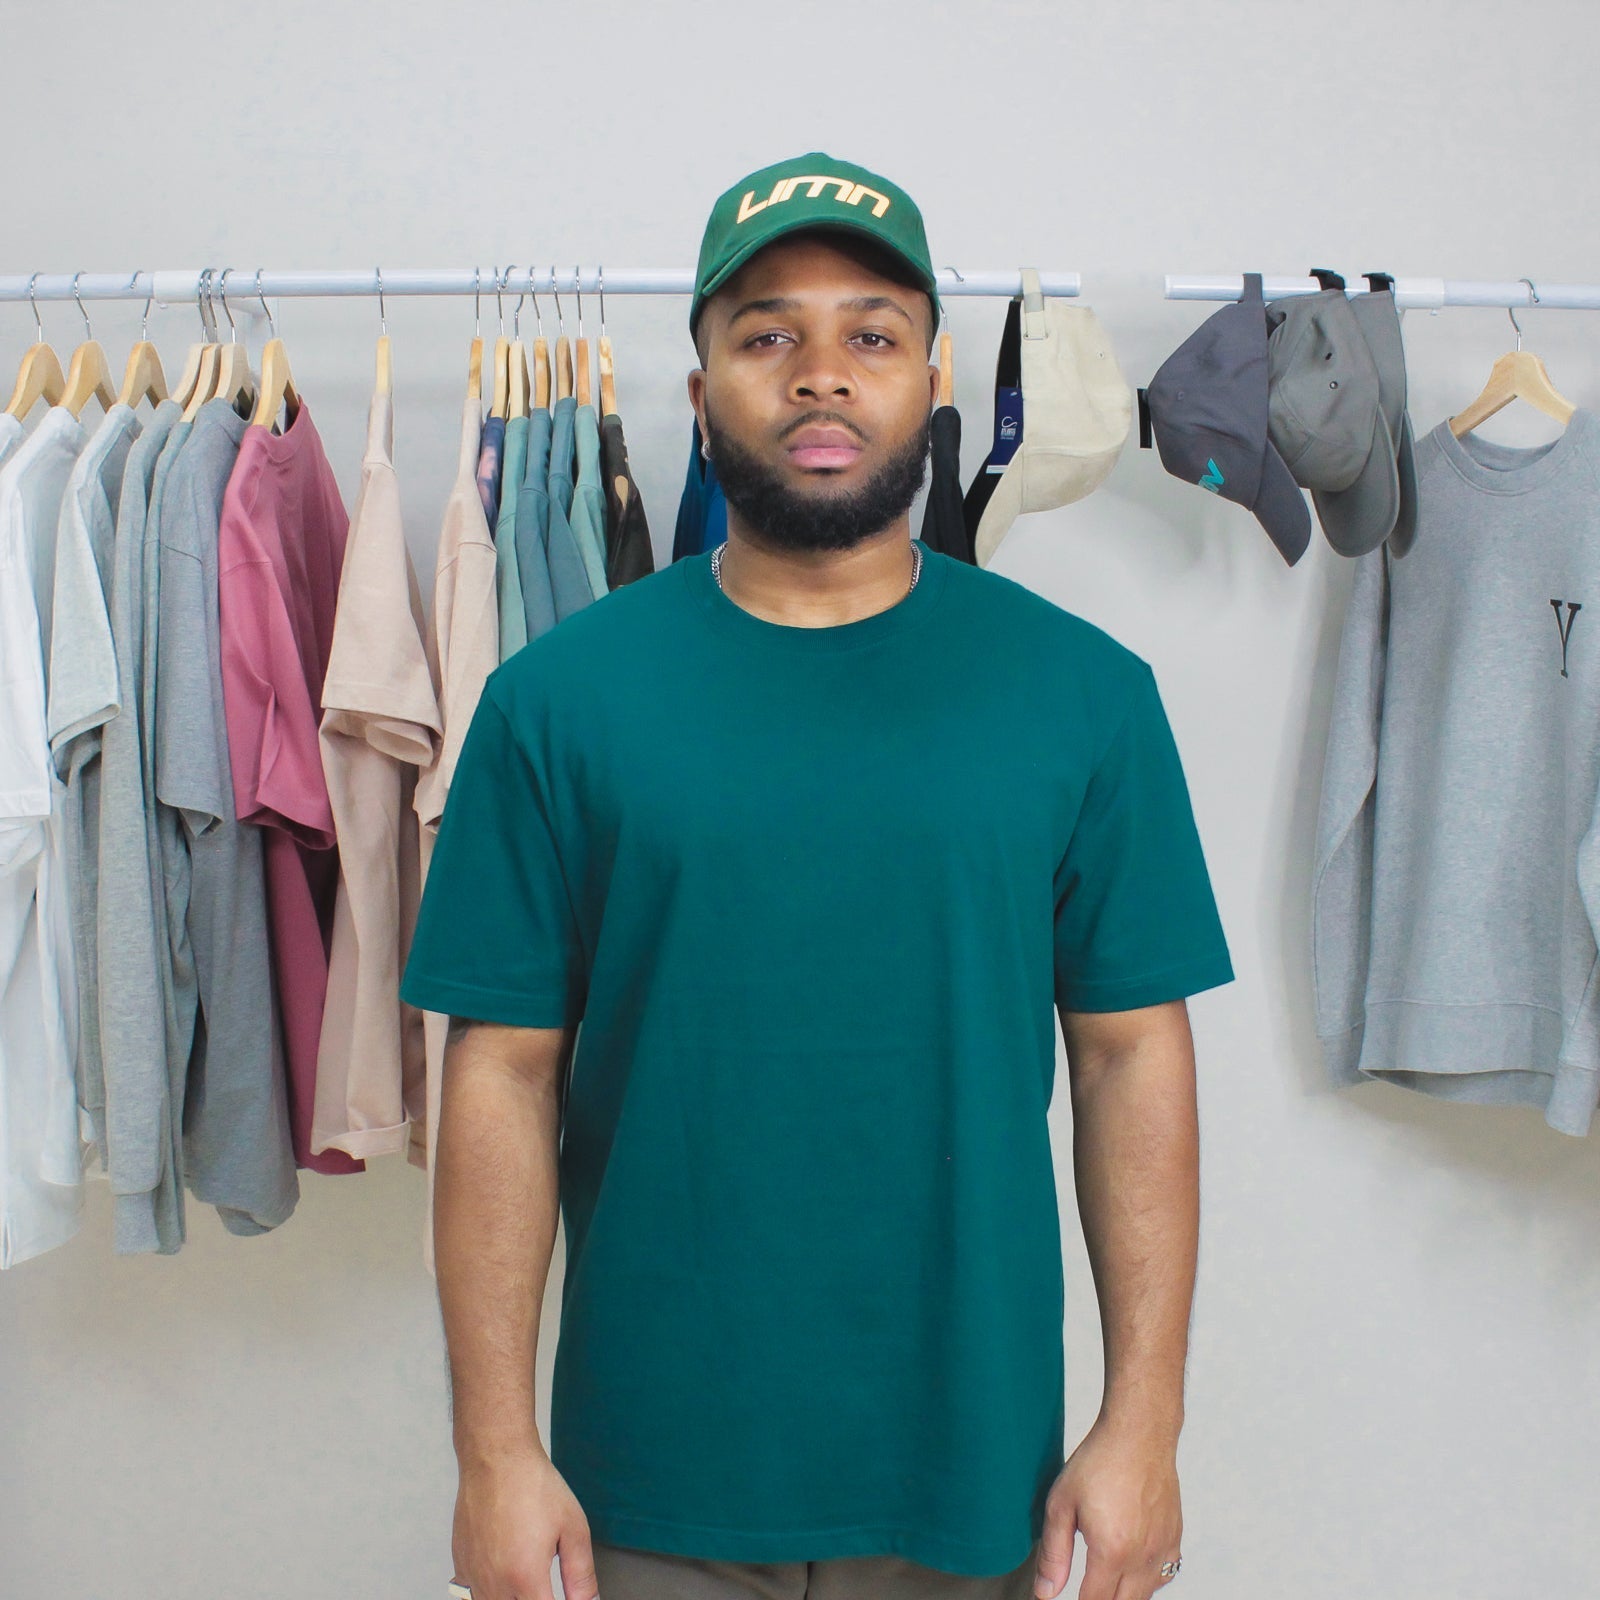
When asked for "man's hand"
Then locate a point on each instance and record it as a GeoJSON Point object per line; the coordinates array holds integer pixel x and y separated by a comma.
{"type": "Point", "coordinates": [513, 1516]}
{"type": "Point", "coordinates": [1120, 1491]}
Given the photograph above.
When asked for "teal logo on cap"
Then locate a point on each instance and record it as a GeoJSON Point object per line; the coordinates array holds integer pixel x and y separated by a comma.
{"type": "Point", "coordinates": [1213, 477]}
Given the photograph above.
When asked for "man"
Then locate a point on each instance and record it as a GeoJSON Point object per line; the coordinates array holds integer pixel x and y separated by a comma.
{"type": "Point", "coordinates": [811, 833]}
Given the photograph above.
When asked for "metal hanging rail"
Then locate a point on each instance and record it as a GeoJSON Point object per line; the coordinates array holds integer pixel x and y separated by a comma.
{"type": "Point", "coordinates": [1419, 294]}
{"type": "Point", "coordinates": [246, 284]}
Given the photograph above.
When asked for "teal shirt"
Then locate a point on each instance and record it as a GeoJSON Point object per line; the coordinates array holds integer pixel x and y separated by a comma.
{"type": "Point", "coordinates": [507, 574]}
{"type": "Point", "coordinates": [571, 587]}
{"type": "Point", "coordinates": [815, 894]}
{"type": "Point", "coordinates": [588, 515]}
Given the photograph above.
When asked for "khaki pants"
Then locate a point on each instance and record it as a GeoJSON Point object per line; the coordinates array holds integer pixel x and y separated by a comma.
{"type": "Point", "coordinates": [624, 1573]}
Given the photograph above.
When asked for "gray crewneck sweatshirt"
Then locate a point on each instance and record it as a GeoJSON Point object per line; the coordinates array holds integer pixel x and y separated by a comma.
{"type": "Point", "coordinates": [1457, 887]}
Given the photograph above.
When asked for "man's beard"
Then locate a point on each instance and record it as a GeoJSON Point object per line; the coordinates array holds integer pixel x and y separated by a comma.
{"type": "Point", "coordinates": [799, 521]}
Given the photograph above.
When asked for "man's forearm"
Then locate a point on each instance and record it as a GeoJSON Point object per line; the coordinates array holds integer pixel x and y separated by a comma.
{"type": "Point", "coordinates": [496, 1187]}
{"type": "Point", "coordinates": [1136, 1170]}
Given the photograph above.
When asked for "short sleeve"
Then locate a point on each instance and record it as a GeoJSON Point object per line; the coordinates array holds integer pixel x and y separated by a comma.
{"type": "Point", "coordinates": [272, 724]}
{"type": "Point", "coordinates": [497, 938]}
{"type": "Point", "coordinates": [1135, 920]}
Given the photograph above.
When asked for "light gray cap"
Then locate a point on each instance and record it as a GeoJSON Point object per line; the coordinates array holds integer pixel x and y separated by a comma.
{"type": "Point", "coordinates": [1327, 418]}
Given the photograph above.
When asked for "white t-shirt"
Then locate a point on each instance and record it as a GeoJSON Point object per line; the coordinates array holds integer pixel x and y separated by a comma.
{"type": "Point", "coordinates": [41, 1155]}
{"type": "Point", "coordinates": [10, 432]}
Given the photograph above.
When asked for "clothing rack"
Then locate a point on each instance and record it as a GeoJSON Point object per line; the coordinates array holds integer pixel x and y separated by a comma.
{"type": "Point", "coordinates": [246, 285]}
{"type": "Point", "coordinates": [1416, 294]}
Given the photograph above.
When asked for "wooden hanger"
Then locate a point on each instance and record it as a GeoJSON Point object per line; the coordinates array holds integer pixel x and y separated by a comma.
{"type": "Point", "coordinates": [183, 390]}
{"type": "Point", "coordinates": [517, 362]}
{"type": "Point", "coordinates": [541, 353]}
{"type": "Point", "coordinates": [608, 379]}
{"type": "Point", "coordinates": [563, 367]}
{"type": "Point", "coordinates": [563, 362]}
{"type": "Point", "coordinates": [89, 378]}
{"type": "Point", "coordinates": [277, 386]}
{"type": "Point", "coordinates": [39, 377]}
{"type": "Point", "coordinates": [383, 377]}
{"type": "Point", "coordinates": [475, 353]}
{"type": "Point", "coordinates": [234, 382]}
{"type": "Point", "coordinates": [1517, 375]}
{"type": "Point", "coordinates": [518, 403]}
{"type": "Point", "coordinates": [277, 382]}
{"type": "Point", "coordinates": [584, 365]}
{"type": "Point", "coordinates": [143, 378]}
{"type": "Point", "coordinates": [608, 375]}
{"type": "Point", "coordinates": [200, 371]}
{"type": "Point", "coordinates": [947, 369]}
{"type": "Point", "coordinates": [541, 373]}
{"type": "Point", "coordinates": [500, 403]}
{"type": "Point", "coordinates": [205, 383]}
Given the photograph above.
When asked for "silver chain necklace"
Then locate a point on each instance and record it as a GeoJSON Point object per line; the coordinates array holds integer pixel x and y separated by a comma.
{"type": "Point", "coordinates": [916, 563]}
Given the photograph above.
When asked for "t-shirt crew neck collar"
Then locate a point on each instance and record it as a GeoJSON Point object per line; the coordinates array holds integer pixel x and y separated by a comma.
{"type": "Point", "coordinates": [287, 444]}
{"type": "Point", "coordinates": [1512, 469]}
{"type": "Point", "coordinates": [732, 618]}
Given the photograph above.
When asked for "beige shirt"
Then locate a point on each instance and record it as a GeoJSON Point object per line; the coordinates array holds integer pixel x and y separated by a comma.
{"type": "Point", "coordinates": [463, 649]}
{"type": "Point", "coordinates": [380, 724]}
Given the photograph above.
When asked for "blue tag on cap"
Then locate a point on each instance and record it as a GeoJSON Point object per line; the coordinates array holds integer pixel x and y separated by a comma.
{"type": "Point", "coordinates": [1007, 428]}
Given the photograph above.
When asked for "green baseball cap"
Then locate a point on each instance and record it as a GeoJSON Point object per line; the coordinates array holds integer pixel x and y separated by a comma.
{"type": "Point", "coordinates": [810, 191]}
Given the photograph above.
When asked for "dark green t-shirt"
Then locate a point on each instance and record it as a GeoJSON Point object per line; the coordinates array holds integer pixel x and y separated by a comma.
{"type": "Point", "coordinates": [813, 893]}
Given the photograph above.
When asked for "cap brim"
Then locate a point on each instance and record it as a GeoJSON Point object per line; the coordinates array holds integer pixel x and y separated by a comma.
{"type": "Point", "coordinates": [1405, 524]}
{"type": "Point", "coordinates": [1005, 504]}
{"type": "Point", "coordinates": [1358, 519]}
{"type": "Point", "coordinates": [1281, 509]}
{"type": "Point", "coordinates": [780, 227]}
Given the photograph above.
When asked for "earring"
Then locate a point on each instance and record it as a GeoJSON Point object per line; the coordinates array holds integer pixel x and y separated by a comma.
{"type": "Point", "coordinates": [705, 449]}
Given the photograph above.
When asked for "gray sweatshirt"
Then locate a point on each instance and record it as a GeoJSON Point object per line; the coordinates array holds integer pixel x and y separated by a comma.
{"type": "Point", "coordinates": [1457, 880]}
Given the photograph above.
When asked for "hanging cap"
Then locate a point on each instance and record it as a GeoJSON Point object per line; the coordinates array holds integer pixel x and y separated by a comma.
{"type": "Point", "coordinates": [1208, 410]}
{"type": "Point", "coordinates": [812, 191]}
{"type": "Point", "coordinates": [1355, 520]}
{"type": "Point", "coordinates": [1076, 409]}
{"type": "Point", "coordinates": [1327, 417]}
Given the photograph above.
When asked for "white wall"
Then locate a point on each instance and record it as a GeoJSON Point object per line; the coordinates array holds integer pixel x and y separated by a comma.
{"type": "Point", "coordinates": [1394, 1387]}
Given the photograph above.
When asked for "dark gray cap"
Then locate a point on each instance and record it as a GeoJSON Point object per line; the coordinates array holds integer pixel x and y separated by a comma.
{"type": "Point", "coordinates": [1208, 411]}
{"type": "Point", "coordinates": [1329, 417]}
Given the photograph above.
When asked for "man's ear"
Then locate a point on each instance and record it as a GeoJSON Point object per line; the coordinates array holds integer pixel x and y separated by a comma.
{"type": "Point", "coordinates": [697, 396]}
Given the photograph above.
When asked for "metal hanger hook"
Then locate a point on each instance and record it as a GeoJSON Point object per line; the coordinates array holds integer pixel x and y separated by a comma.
{"type": "Point", "coordinates": [208, 313]}
{"type": "Point", "coordinates": [577, 278]}
{"type": "Point", "coordinates": [233, 327]}
{"type": "Point", "coordinates": [516, 310]}
{"type": "Point", "coordinates": [500, 305]}
{"type": "Point", "coordinates": [943, 312]}
{"type": "Point", "coordinates": [144, 321]}
{"type": "Point", "coordinates": [88, 332]}
{"type": "Point", "coordinates": [383, 315]}
{"type": "Point", "coordinates": [38, 321]}
{"type": "Point", "coordinates": [477, 302]}
{"type": "Point", "coordinates": [561, 318]}
{"type": "Point", "coordinates": [1533, 300]}
{"type": "Point", "coordinates": [538, 310]}
{"type": "Point", "coordinates": [600, 275]}
{"type": "Point", "coordinates": [272, 327]}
